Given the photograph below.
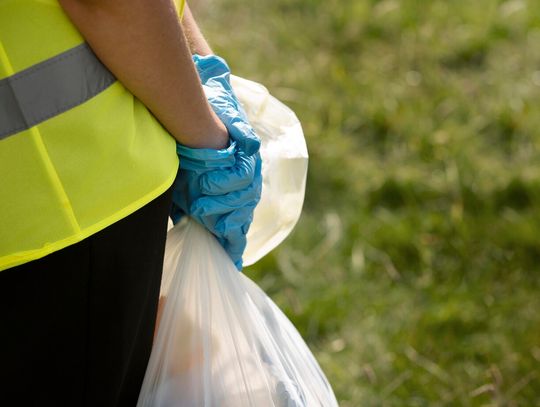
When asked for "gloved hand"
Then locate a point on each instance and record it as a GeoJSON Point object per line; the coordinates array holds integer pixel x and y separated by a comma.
{"type": "Point", "coordinates": [220, 188]}
{"type": "Point", "coordinates": [215, 78]}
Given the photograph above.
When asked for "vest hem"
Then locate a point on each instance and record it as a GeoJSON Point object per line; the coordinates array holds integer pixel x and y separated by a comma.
{"type": "Point", "coordinates": [16, 259]}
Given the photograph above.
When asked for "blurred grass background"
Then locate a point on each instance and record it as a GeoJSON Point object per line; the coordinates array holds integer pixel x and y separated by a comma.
{"type": "Point", "coordinates": [413, 272]}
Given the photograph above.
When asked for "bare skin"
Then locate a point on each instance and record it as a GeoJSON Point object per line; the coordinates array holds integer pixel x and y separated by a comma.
{"type": "Point", "coordinates": [197, 43]}
{"type": "Point", "coordinates": [144, 45]}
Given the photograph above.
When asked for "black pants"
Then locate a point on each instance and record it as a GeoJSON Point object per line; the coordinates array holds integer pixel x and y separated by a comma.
{"type": "Point", "coordinates": [77, 325]}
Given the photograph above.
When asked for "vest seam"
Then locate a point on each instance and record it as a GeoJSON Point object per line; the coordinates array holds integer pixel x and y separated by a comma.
{"type": "Point", "coordinates": [7, 63]}
{"type": "Point", "coordinates": [54, 178]}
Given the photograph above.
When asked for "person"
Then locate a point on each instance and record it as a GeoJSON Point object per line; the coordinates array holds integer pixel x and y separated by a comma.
{"type": "Point", "coordinates": [98, 99]}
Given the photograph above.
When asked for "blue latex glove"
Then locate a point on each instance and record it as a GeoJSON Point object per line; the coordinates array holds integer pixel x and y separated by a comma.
{"type": "Point", "coordinates": [215, 78]}
{"type": "Point", "coordinates": [220, 191]}
{"type": "Point", "coordinates": [220, 188]}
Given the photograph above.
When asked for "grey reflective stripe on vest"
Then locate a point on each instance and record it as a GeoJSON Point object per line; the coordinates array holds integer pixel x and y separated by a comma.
{"type": "Point", "coordinates": [50, 88]}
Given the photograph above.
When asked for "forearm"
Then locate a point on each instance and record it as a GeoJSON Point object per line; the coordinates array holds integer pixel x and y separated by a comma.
{"type": "Point", "coordinates": [196, 41]}
{"type": "Point", "coordinates": [143, 44]}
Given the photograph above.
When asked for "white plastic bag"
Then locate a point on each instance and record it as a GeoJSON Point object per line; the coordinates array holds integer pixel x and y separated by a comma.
{"type": "Point", "coordinates": [221, 341]}
{"type": "Point", "coordinates": [284, 168]}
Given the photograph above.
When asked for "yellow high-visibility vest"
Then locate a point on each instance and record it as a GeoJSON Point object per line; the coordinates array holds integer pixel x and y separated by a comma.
{"type": "Point", "coordinates": [78, 151]}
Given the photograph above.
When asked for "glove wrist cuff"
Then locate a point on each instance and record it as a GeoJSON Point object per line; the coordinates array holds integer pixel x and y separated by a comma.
{"type": "Point", "coordinates": [206, 158]}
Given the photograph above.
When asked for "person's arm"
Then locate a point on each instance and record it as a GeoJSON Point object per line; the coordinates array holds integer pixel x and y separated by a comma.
{"type": "Point", "coordinates": [143, 44]}
{"type": "Point", "coordinates": [196, 41]}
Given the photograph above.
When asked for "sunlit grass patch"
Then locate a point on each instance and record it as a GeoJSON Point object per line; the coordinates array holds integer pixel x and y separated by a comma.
{"type": "Point", "coordinates": [413, 272]}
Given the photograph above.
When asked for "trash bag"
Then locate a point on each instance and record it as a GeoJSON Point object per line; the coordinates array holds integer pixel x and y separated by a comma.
{"type": "Point", "coordinates": [284, 168]}
{"type": "Point", "coordinates": [221, 341]}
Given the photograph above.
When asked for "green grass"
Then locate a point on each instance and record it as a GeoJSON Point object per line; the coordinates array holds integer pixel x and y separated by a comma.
{"type": "Point", "coordinates": [413, 273]}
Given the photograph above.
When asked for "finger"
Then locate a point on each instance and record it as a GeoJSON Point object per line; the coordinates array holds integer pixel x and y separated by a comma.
{"type": "Point", "coordinates": [237, 252]}
{"type": "Point", "coordinates": [209, 205]}
{"type": "Point", "coordinates": [247, 139]}
{"type": "Point", "coordinates": [238, 177]}
{"type": "Point", "coordinates": [231, 230]}
{"type": "Point", "coordinates": [231, 113]}
{"type": "Point", "coordinates": [241, 132]}
{"type": "Point", "coordinates": [235, 245]}
{"type": "Point", "coordinates": [239, 219]}
{"type": "Point", "coordinates": [219, 205]}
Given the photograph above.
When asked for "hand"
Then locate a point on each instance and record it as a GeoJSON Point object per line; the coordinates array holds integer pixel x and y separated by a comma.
{"type": "Point", "coordinates": [215, 78]}
{"type": "Point", "coordinates": [220, 188]}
